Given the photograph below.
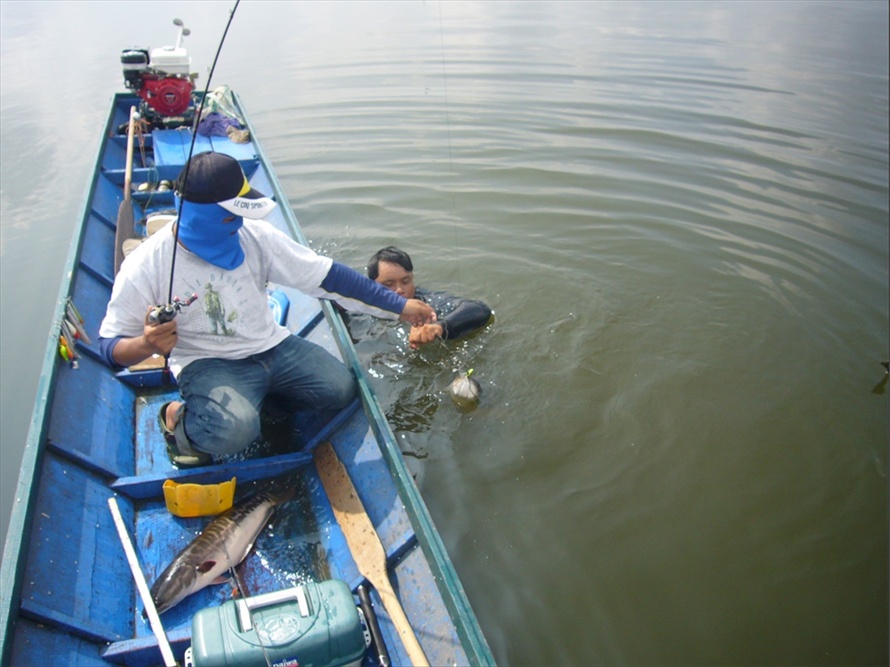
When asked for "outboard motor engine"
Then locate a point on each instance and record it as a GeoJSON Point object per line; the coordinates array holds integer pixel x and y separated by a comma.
{"type": "Point", "coordinates": [163, 81]}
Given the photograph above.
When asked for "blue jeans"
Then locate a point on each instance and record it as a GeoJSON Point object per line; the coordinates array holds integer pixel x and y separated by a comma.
{"type": "Point", "coordinates": [223, 397]}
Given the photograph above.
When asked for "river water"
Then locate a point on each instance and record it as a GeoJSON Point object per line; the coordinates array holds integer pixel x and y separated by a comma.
{"type": "Point", "coordinates": [679, 213]}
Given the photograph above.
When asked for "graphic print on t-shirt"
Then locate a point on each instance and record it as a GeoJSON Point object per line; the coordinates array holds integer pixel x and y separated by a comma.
{"type": "Point", "coordinates": [216, 312]}
{"type": "Point", "coordinates": [223, 300]}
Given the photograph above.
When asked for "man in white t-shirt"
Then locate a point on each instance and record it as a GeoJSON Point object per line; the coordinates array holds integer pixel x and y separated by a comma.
{"type": "Point", "coordinates": [226, 350]}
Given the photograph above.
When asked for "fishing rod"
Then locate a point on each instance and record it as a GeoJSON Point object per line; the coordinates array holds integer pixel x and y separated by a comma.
{"type": "Point", "coordinates": [188, 159]}
{"type": "Point", "coordinates": [165, 313]}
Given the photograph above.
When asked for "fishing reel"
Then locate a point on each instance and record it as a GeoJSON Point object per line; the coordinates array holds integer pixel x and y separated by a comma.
{"type": "Point", "coordinates": [162, 79]}
{"type": "Point", "coordinates": [161, 314]}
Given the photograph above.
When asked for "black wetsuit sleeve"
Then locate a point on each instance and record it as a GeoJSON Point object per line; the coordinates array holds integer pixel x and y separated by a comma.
{"type": "Point", "coordinates": [457, 316]}
{"type": "Point", "coordinates": [465, 318]}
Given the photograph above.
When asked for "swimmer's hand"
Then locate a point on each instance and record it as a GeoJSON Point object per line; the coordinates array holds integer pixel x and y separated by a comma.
{"type": "Point", "coordinates": [424, 334]}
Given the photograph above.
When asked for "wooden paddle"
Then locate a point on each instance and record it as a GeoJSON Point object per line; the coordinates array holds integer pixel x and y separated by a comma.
{"type": "Point", "coordinates": [126, 225]}
{"type": "Point", "coordinates": [364, 543]}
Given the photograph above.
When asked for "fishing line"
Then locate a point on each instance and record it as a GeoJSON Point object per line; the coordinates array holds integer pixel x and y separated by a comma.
{"type": "Point", "coordinates": [192, 147]}
{"type": "Point", "coordinates": [243, 595]}
{"type": "Point", "coordinates": [448, 135]}
{"type": "Point", "coordinates": [454, 226]}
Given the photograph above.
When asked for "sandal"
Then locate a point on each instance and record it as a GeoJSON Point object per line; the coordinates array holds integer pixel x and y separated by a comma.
{"type": "Point", "coordinates": [181, 457]}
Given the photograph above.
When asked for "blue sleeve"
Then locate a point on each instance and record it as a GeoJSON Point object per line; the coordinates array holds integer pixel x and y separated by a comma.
{"type": "Point", "coordinates": [106, 350]}
{"type": "Point", "coordinates": [352, 290]}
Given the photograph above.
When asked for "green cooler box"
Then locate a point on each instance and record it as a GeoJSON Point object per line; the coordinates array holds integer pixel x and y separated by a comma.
{"type": "Point", "coordinates": [314, 625]}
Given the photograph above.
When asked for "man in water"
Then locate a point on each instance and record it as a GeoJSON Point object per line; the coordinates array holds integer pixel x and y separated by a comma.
{"type": "Point", "coordinates": [226, 251]}
{"type": "Point", "coordinates": [455, 317]}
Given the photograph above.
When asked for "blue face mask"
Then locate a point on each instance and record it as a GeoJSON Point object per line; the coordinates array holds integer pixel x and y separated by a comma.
{"type": "Point", "coordinates": [204, 233]}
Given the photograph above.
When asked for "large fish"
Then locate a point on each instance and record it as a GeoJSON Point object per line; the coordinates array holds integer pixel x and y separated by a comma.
{"type": "Point", "coordinates": [224, 543]}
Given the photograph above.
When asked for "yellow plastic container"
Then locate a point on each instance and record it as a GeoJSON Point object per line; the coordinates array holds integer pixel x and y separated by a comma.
{"type": "Point", "coordinates": [188, 500]}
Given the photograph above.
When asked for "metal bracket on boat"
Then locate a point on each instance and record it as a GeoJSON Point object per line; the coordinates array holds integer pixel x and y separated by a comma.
{"type": "Point", "coordinates": [189, 500]}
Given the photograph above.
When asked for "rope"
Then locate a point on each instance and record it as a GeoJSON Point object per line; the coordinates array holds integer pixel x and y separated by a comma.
{"type": "Point", "coordinates": [242, 593]}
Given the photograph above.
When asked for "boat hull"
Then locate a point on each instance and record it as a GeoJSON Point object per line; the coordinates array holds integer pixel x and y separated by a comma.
{"type": "Point", "coordinates": [68, 592]}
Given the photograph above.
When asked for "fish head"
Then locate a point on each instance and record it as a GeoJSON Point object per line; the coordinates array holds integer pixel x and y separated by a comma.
{"type": "Point", "coordinates": [281, 489]}
{"type": "Point", "coordinates": [182, 578]}
{"type": "Point", "coordinates": [465, 392]}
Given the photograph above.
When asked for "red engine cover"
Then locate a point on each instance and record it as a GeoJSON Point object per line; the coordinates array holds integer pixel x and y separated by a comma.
{"type": "Point", "coordinates": [168, 96]}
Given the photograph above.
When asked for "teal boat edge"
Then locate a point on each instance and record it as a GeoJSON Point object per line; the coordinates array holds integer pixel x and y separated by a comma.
{"type": "Point", "coordinates": [69, 596]}
{"type": "Point", "coordinates": [18, 531]}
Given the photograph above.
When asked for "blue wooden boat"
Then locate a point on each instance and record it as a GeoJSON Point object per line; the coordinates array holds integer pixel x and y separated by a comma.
{"type": "Point", "coordinates": [69, 595]}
